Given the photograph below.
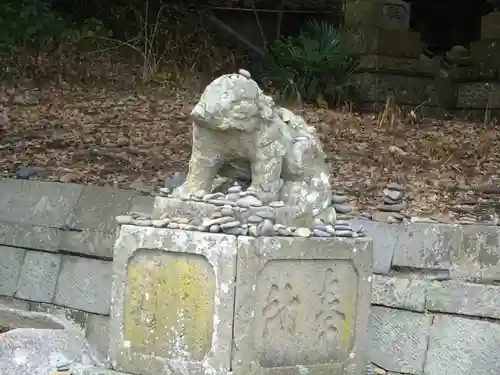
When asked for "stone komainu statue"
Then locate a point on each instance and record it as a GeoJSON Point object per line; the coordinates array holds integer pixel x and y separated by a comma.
{"type": "Point", "coordinates": [236, 127]}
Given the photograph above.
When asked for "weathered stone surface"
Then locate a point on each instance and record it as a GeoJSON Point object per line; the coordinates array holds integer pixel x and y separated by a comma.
{"type": "Point", "coordinates": [478, 256]}
{"type": "Point", "coordinates": [30, 236]}
{"type": "Point", "coordinates": [390, 14]}
{"type": "Point", "coordinates": [195, 211]}
{"type": "Point", "coordinates": [87, 370]}
{"type": "Point", "coordinates": [84, 284]}
{"type": "Point", "coordinates": [385, 237]}
{"type": "Point", "coordinates": [302, 302]}
{"type": "Point", "coordinates": [11, 260]}
{"type": "Point", "coordinates": [490, 26]}
{"type": "Point", "coordinates": [14, 303]}
{"type": "Point", "coordinates": [143, 204]}
{"type": "Point", "coordinates": [17, 318]}
{"type": "Point", "coordinates": [38, 351]}
{"type": "Point", "coordinates": [377, 41]}
{"type": "Point", "coordinates": [98, 207]}
{"type": "Point", "coordinates": [89, 241]}
{"type": "Point", "coordinates": [406, 89]}
{"type": "Point", "coordinates": [37, 203]}
{"type": "Point", "coordinates": [427, 246]}
{"type": "Point", "coordinates": [94, 221]}
{"type": "Point", "coordinates": [464, 298]}
{"type": "Point", "coordinates": [237, 129]}
{"type": "Point", "coordinates": [486, 53]}
{"type": "Point", "coordinates": [172, 207]}
{"type": "Point", "coordinates": [77, 318]}
{"type": "Point", "coordinates": [478, 95]}
{"type": "Point", "coordinates": [399, 339]}
{"type": "Point", "coordinates": [402, 293]}
{"type": "Point", "coordinates": [97, 334]}
{"type": "Point", "coordinates": [38, 278]}
{"type": "Point", "coordinates": [460, 346]}
{"type": "Point", "coordinates": [389, 64]}
{"type": "Point", "coordinates": [172, 301]}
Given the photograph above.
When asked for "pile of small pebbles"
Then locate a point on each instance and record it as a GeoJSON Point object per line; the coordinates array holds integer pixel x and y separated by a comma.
{"type": "Point", "coordinates": [392, 204]}
{"type": "Point", "coordinates": [342, 207]}
{"type": "Point", "coordinates": [262, 223]}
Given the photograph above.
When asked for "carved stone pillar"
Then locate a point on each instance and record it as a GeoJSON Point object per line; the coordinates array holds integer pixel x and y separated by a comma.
{"type": "Point", "coordinates": [390, 53]}
{"type": "Point", "coordinates": [480, 86]}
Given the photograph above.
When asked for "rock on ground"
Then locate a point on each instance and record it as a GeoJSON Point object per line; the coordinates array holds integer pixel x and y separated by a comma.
{"type": "Point", "coordinates": [39, 351]}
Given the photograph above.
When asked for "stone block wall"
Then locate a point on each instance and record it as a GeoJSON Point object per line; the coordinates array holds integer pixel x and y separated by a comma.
{"type": "Point", "coordinates": [435, 294]}
{"type": "Point", "coordinates": [56, 249]}
{"type": "Point", "coordinates": [436, 298]}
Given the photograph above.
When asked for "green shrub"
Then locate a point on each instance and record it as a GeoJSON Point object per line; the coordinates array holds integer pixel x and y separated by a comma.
{"type": "Point", "coordinates": [28, 24]}
{"type": "Point", "coordinates": [38, 41]}
{"type": "Point", "coordinates": [315, 66]}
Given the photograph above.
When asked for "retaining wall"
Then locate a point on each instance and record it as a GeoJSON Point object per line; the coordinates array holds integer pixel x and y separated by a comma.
{"type": "Point", "coordinates": [435, 295]}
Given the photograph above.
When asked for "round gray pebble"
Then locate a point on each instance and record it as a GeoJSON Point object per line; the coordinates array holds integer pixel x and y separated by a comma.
{"type": "Point", "coordinates": [214, 228]}
{"type": "Point", "coordinates": [320, 233]}
{"type": "Point", "coordinates": [266, 228]}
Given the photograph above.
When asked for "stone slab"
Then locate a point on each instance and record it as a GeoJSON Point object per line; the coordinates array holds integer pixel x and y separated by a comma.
{"type": "Point", "coordinates": [46, 204]}
{"type": "Point", "coordinates": [38, 277]}
{"type": "Point", "coordinates": [388, 64]}
{"type": "Point", "coordinates": [385, 237]}
{"type": "Point", "coordinates": [89, 242]}
{"type": "Point", "coordinates": [399, 339]}
{"type": "Point", "coordinates": [143, 204]}
{"type": "Point", "coordinates": [14, 303]}
{"type": "Point", "coordinates": [303, 304]}
{"type": "Point", "coordinates": [478, 255]}
{"type": "Point", "coordinates": [460, 346]}
{"type": "Point", "coordinates": [172, 207]}
{"type": "Point", "coordinates": [17, 318]}
{"type": "Point", "coordinates": [80, 370]}
{"type": "Point", "coordinates": [464, 299]}
{"type": "Point", "coordinates": [98, 207]}
{"type": "Point", "coordinates": [11, 260]}
{"type": "Point", "coordinates": [173, 301]}
{"type": "Point", "coordinates": [93, 221]}
{"type": "Point", "coordinates": [84, 284]}
{"type": "Point", "coordinates": [427, 246]}
{"type": "Point", "coordinates": [76, 318]}
{"type": "Point", "coordinates": [377, 41]}
{"type": "Point", "coordinates": [490, 26]}
{"type": "Point", "coordinates": [97, 334]}
{"type": "Point", "coordinates": [486, 52]}
{"type": "Point", "coordinates": [197, 210]}
{"type": "Point", "coordinates": [30, 236]}
{"type": "Point", "coordinates": [398, 292]}
{"type": "Point", "coordinates": [388, 14]}
{"type": "Point", "coordinates": [375, 87]}
{"type": "Point", "coordinates": [478, 95]}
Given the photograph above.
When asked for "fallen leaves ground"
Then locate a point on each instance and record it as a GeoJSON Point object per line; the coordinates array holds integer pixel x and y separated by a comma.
{"type": "Point", "coordinates": [123, 138]}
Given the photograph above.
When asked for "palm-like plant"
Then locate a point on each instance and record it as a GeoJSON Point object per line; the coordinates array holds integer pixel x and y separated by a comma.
{"type": "Point", "coordinates": [316, 65]}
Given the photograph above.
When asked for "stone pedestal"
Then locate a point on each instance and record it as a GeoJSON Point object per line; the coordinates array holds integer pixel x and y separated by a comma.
{"type": "Point", "coordinates": [302, 306]}
{"type": "Point", "coordinates": [390, 53]}
{"type": "Point", "coordinates": [193, 303]}
{"type": "Point", "coordinates": [172, 302]}
{"type": "Point", "coordinates": [480, 85]}
{"type": "Point", "coordinates": [196, 210]}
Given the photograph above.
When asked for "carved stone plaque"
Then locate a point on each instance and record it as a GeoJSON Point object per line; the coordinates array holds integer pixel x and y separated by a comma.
{"type": "Point", "coordinates": [171, 291]}
{"type": "Point", "coordinates": [396, 14]}
{"type": "Point", "coordinates": [385, 14]}
{"type": "Point", "coordinates": [305, 323]}
{"type": "Point", "coordinates": [169, 304]}
{"type": "Point", "coordinates": [302, 304]}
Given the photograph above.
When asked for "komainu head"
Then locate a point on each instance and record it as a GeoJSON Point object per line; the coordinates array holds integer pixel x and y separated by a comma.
{"type": "Point", "coordinates": [233, 102]}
